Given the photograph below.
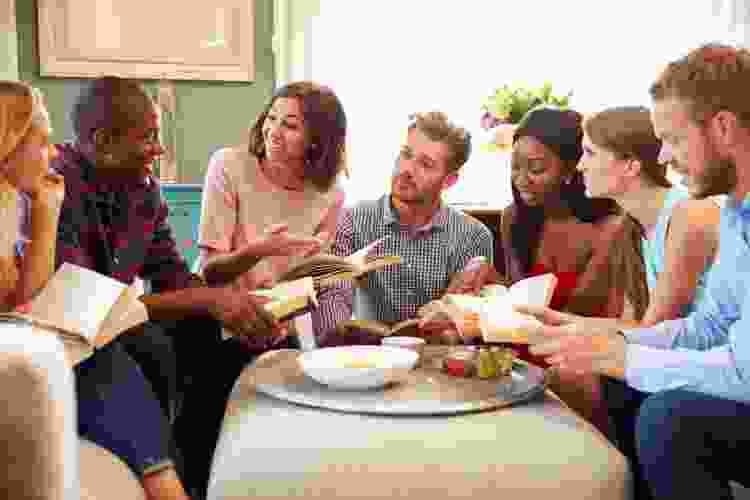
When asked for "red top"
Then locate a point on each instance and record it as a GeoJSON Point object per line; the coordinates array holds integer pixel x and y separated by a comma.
{"type": "Point", "coordinates": [566, 284]}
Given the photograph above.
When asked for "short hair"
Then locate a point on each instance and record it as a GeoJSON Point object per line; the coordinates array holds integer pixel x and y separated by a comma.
{"type": "Point", "coordinates": [325, 124]}
{"type": "Point", "coordinates": [709, 79]}
{"type": "Point", "coordinates": [108, 102]}
{"type": "Point", "coordinates": [437, 127]}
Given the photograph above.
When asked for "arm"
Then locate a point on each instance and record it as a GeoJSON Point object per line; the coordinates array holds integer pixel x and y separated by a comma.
{"type": "Point", "coordinates": [722, 371]}
{"type": "Point", "coordinates": [41, 209]}
{"type": "Point", "coordinates": [221, 262]}
{"type": "Point", "coordinates": [337, 303]}
{"type": "Point", "coordinates": [163, 265]}
{"type": "Point", "coordinates": [468, 273]}
{"type": "Point", "coordinates": [689, 249]}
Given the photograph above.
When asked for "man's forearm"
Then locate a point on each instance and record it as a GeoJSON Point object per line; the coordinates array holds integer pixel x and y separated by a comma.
{"type": "Point", "coordinates": [179, 304]}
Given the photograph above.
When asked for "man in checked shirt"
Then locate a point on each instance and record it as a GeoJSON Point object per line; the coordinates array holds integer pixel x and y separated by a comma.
{"type": "Point", "coordinates": [439, 245]}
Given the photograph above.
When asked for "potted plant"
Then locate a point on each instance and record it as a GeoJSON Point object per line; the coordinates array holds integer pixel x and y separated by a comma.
{"type": "Point", "coordinates": [502, 110]}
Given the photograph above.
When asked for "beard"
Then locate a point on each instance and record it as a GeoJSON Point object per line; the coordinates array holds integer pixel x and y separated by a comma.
{"type": "Point", "coordinates": [719, 176]}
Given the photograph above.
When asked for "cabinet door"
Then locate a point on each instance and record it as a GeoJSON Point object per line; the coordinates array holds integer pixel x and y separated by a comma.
{"type": "Point", "coordinates": [205, 40]}
{"type": "Point", "coordinates": [183, 217]}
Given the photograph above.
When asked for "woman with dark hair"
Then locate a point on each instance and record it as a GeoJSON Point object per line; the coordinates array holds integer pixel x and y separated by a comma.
{"type": "Point", "coordinates": [553, 227]}
{"type": "Point", "coordinates": [266, 205]}
{"type": "Point", "coordinates": [276, 200]}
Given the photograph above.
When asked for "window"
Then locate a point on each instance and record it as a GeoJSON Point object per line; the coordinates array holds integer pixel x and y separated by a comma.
{"type": "Point", "coordinates": [392, 57]}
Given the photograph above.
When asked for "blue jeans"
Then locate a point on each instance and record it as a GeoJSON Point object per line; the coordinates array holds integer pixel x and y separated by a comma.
{"type": "Point", "coordinates": [691, 445]}
{"type": "Point", "coordinates": [118, 410]}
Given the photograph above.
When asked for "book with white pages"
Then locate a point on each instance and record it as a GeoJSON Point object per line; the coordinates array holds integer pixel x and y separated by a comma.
{"type": "Point", "coordinates": [327, 269]}
{"type": "Point", "coordinates": [492, 312]}
{"type": "Point", "coordinates": [289, 298]}
{"type": "Point", "coordinates": [84, 307]}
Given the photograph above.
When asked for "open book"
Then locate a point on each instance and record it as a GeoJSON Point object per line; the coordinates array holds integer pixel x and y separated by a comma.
{"type": "Point", "coordinates": [406, 328]}
{"type": "Point", "coordinates": [327, 269]}
{"type": "Point", "coordinates": [290, 298]}
{"type": "Point", "coordinates": [492, 311]}
{"type": "Point", "coordinates": [84, 308]}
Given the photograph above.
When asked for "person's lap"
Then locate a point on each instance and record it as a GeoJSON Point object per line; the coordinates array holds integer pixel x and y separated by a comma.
{"type": "Point", "coordinates": [690, 445]}
{"type": "Point", "coordinates": [117, 410]}
{"type": "Point", "coordinates": [199, 423]}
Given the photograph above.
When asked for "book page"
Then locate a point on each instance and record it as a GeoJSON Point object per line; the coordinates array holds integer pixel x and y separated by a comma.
{"type": "Point", "coordinates": [358, 257]}
{"type": "Point", "coordinates": [535, 291]}
{"type": "Point", "coordinates": [128, 312]}
{"type": "Point", "coordinates": [303, 287]}
{"type": "Point", "coordinates": [77, 300]}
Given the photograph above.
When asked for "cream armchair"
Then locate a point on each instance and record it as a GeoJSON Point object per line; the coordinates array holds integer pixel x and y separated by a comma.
{"type": "Point", "coordinates": [44, 459]}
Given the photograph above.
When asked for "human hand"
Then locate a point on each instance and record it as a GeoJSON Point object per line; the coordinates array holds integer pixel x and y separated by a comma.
{"type": "Point", "coordinates": [48, 191]}
{"type": "Point", "coordinates": [575, 343]}
{"type": "Point", "coordinates": [278, 241]}
{"type": "Point", "coordinates": [476, 274]}
{"type": "Point", "coordinates": [244, 313]}
{"type": "Point", "coordinates": [450, 327]}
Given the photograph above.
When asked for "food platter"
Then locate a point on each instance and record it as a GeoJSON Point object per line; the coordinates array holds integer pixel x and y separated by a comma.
{"type": "Point", "coordinates": [423, 391]}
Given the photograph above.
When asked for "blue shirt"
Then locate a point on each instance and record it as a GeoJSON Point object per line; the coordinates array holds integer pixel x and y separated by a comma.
{"type": "Point", "coordinates": [709, 350]}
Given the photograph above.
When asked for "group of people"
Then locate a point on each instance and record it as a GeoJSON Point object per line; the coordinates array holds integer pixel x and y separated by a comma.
{"type": "Point", "coordinates": [647, 300]}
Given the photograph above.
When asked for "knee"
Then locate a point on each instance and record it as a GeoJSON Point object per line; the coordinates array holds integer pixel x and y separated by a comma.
{"type": "Point", "coordinates": [660, 422]}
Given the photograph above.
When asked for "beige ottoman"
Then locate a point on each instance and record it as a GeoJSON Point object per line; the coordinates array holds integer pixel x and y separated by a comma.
{"type": "Point", "coordinates": [269, 448]}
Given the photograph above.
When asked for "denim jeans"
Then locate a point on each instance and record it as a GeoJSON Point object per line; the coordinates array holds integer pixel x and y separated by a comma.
{"type": "Point", "coordinates": [690, 445]}
{"type": "Point", "coordinates": [118, 410]}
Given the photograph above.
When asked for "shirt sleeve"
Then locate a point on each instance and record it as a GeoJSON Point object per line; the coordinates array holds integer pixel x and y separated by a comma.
{"type": "Point", "coordinates": [336, 303]}
{"type": "Point", "coordinates": [219, 207]}
{"type": "Point", "coordinates": [705, 352]}
{"type": "Point", "coordinates": [163, 265]}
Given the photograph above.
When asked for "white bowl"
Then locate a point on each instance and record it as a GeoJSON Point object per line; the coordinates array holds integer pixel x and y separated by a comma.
{"type": "Point", "coordinates": [358, 367]}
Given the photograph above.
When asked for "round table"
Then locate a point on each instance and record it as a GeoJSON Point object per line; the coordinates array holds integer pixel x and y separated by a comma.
{"type": "Point", "coordinates": [539, 449]}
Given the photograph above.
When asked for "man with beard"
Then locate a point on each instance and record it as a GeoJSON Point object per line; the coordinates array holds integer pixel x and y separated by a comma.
{"type": "Point", "coordinates": [693, 373]}
{"type": "Point", "coordinates": [437, 243]}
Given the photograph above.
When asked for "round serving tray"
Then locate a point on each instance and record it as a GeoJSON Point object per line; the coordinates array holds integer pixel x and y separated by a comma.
{"type": "Point", "coordinates": [427, 390]}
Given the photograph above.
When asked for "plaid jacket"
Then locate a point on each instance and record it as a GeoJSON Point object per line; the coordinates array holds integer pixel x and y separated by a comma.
{"type": "Point", "coordinates": [119, 230]}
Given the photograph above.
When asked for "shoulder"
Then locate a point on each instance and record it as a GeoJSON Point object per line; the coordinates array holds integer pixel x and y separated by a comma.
{"type": "Point", "coordinates": [366, 208]}
{"type": "Point", "coordinates": [67, 162]}
{"type": "Point", "coordinates": [232, 159]}
{"type": "Point", "coordinates": [466, 225]}
{"type": "Point", "coordinates": [692, 218]}
{"type": "Point", "coordinates": [233, 165]}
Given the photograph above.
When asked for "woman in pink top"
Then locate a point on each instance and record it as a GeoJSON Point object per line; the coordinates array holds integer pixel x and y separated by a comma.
{"type": "Point", "coordinates": [266, 205]}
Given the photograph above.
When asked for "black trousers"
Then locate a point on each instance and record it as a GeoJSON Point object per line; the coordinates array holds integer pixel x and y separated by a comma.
{"type": "Point", "coordinates": [199, 422]}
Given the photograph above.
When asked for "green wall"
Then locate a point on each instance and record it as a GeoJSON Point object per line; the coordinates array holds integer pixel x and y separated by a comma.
{"type": "Point", "coordinates": [209, 114]}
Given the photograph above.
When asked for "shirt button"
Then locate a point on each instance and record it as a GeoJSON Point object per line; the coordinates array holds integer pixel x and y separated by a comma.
{"type": "Point", "coordinates": [117, 260]}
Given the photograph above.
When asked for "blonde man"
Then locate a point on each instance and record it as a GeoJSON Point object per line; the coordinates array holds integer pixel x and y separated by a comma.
{"type": "Point", "coordinates": [435, 241]}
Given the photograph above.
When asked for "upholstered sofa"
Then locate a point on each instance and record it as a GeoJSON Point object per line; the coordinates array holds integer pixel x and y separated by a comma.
{"type": "Point", "coordinates": [43, 456]}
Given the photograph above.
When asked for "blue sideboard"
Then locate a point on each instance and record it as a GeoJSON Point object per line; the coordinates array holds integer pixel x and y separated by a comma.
{"type": "Point", "coordinates": [184, 202]}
